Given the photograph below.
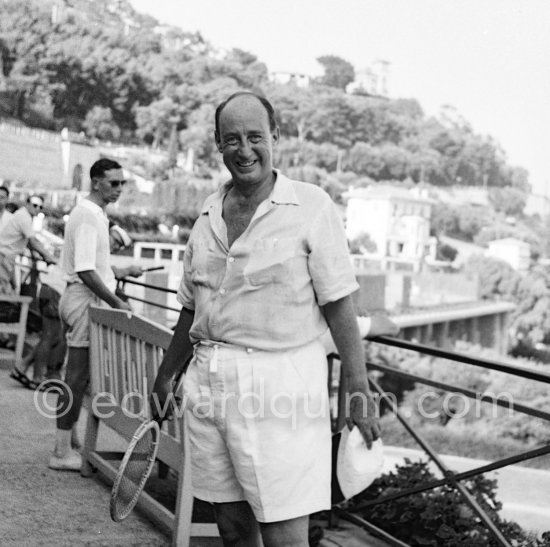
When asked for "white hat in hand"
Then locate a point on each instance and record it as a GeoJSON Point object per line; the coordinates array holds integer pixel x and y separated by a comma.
{"type": "Point", "coordinates": [356, 467]}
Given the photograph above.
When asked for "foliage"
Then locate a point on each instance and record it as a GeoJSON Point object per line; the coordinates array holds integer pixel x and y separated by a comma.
{"type": "Point", "coordinates": [497, 279]}
{"type": "Point", "coordinates": [463, 221]}
{"type": "Point", "coordinates": [338, 72]}
{"type": "Point", "coordinates": [99, 123]}
{"type": "Point", "coordinates": [362, 244]}
{"type": "Point", "coordinates": [132, 83]}
{"type": "Point", "coordinates": [531, 319]}
{"type": "Point", "coordinates": [508, 200]}
{"type": "Point", "coordinates": [445, 252]}
{"type": "Point", "coordinates": [439, 517]}
{"type": "Point", "coordinates": [449, 415]}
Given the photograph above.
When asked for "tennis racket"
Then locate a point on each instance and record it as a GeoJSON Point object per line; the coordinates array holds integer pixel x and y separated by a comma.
{"type": "Point", "coordinates": [137, 464]}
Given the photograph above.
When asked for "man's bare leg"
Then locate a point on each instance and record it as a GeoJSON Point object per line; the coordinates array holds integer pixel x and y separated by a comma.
{"type": "Point", "coordinates": [286, 533]}
{"type": "Point", "coordinates": [237, 524]}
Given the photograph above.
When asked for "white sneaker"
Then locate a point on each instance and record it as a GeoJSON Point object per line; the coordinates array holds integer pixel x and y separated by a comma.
{"type": "Point", "coordinates": [71, 462]}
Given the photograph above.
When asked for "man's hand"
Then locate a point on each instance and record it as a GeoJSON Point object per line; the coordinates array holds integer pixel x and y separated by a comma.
{"type": "Point", "coordinates": [134, 270]}
{"type": "Point", "coordinates": [119, 304]}
{"type": "Point", "coordinates": [362, 412]}
{"type": "Point", "coordinates": [160, 400]}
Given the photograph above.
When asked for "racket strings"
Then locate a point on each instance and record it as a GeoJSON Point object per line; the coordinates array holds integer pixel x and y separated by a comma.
{"type": "Point", "coordinates": [135, 473]}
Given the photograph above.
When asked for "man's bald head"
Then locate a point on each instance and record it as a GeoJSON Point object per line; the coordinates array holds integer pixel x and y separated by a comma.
{"type": "Point", "coordinates": [265, 103]}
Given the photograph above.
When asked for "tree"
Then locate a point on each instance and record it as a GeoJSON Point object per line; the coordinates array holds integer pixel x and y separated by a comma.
{"type": "Point", "coordinates": [530, 324]}
{"type": "Point", "coordinates": [508, 200]}
{"type": "Point", "coordinates": [99, 123]}
{"type": "Point", "coordinates": [338, 72]}
{"type": "Point", "coordinates": [471, 219]}
{"type": "Point", "coordinates": [362, 244]}
{"type": "Point", "coordinates": [497, 279]}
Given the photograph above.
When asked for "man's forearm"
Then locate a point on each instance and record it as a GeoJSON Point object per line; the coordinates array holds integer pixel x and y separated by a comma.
{"type": "Point", "coordinates": [91, 279]}
{"type": "Point", "coordinates": [35, 245]}
{"type": "Point", "coordinates": [180, 349]}
{"type": "Point", "coordinates": [341, 319]}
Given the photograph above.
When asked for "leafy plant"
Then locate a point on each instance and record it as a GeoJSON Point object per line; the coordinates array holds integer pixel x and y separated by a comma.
{"type": "Point", "coordinates": [439, 517]}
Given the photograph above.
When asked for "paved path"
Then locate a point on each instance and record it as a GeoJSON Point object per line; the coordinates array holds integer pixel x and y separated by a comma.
{"type": "Point", "coordinates": [41, 507]}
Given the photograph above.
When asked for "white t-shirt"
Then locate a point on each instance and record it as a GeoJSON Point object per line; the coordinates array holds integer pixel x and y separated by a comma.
{"type": "Point", "coordinates": [15, 235]}
{"type": "Point", "coordinates": [5, 215]}
{"type": "Point", "coordinates": [86, 244]}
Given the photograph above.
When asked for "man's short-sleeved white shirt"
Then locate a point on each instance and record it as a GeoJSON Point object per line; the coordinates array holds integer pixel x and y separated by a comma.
{"type": "Point", "coordinates": [265, 292]}
{"type": "Point", "coordinates": [16, 233]}
{"type": "Point", "coordinates": [86, 244]}
{"type": "Point", "coordinates": [4, 217]}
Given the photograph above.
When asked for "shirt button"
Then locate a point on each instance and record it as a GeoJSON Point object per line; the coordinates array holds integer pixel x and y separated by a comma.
{"type": "Point", "coordinates": [222, 291]}
{"type": "Point", "coordinates": [231, 259]}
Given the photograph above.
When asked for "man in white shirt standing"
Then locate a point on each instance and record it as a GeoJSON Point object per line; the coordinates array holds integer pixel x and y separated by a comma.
{"type": "Point", "coordinates": [90, 278]}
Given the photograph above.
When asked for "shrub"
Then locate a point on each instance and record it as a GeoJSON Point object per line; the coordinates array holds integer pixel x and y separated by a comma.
{"type": "Point", "coordinates": [439, 517]}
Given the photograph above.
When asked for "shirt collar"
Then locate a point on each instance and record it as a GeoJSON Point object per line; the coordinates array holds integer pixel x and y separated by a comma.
{"type": "Point", "coordinates": [283, 193]}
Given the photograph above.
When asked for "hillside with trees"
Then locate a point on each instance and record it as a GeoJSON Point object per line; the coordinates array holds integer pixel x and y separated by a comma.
{"type": "Point", "coordinates": [103, 69]}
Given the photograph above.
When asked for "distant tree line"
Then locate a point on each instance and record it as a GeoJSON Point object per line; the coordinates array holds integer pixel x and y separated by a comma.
{"type": "Point", "coordinates": [161, 88]}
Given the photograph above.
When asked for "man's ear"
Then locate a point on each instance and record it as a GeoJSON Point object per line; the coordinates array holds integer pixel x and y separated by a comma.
{"type": "Point", "coordinates": [218, 142]}
{"type": "Point", "coordinates": [275, 136]}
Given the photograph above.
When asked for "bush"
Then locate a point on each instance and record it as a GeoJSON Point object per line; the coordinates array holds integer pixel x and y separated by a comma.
{"type": "Point", "coordinates": [439, 517]}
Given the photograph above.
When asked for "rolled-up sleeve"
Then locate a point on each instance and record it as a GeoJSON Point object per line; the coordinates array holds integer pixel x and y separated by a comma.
{"type": "Point", "coordinates": [329, 261]}
{"type": "Point", "coordinates": [185, 294]}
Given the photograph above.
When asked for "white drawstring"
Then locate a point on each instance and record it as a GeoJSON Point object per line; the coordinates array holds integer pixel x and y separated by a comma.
{"type": "Point", "coordinates": [214, 360]}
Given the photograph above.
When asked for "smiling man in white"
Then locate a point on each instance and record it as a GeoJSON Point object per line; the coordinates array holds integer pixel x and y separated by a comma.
{"type": "Point", "coordinates": [266, 270]}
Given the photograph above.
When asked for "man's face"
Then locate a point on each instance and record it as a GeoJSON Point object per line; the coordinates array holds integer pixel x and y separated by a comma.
{"type": "Point", "coordinates": [109, 187]}
{"type": "Point", "coordinates": [3, 200]}
{"type": "Point", "coordinates": [246, 141]}
{"type": "Point", "coordinates": [35, 205]}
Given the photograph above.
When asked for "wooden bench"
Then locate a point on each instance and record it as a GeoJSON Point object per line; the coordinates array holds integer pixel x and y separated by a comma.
{"type": "Point", "coordinates": [125, 353]}
{"type": "Point", "coordinates": [18, 328]}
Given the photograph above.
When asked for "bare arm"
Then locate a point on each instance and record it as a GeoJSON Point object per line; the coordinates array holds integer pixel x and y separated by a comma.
{"type": "Point", "coordinates": [35, 245]}
{"type": "Point", "coordinates": [175, 360]}
{"type": "Point", "coordinates": [91, 279]}
{"type": "Point", "coordinates": [360, 406]}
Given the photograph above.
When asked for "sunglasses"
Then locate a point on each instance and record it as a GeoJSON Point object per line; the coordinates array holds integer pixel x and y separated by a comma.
{"type": "Point", "coordinates": [37, 205]}
{"type": "Point", "coordinates": [117, 183]}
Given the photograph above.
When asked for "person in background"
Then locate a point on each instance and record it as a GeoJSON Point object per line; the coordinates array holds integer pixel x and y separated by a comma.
{"type": "Point", "coordinates": [47, 357]}
{"type": "Point", "coordinates": [15, 236]}
{"type": "Point", "coordinates": [266, 270]}
{"type": "Point", "coordinates": [90, 278]}
{"type": "Point", "coordinates": [5, 214]}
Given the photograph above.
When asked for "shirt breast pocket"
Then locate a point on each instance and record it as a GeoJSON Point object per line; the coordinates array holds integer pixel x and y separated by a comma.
{"type": "Point", "coordinates": [271, 261]}
{"type": "Point", "coordinates": [207, 268]}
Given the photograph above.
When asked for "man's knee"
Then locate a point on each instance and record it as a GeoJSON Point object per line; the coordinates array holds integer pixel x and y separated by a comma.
{"type": "Point", "coordinates": [286, 533]}
{"type": "Point", "coordinates": [236, 524]}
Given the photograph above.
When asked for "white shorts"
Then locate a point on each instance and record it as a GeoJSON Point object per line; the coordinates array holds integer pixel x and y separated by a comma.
{"type": "Point", "coordinates": [259, 426]}
{"type": "Point", "coordinates": [74, 306]}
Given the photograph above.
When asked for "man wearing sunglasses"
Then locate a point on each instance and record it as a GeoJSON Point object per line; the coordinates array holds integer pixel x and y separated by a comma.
{"type": "Point", "coordinates": [90, 278]}
{"type": "Point", "coordinates": [15, 236]}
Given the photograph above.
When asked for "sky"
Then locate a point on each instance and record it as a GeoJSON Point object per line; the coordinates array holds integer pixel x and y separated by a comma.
{"type": "Point", "coordinates": [489, 59]}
